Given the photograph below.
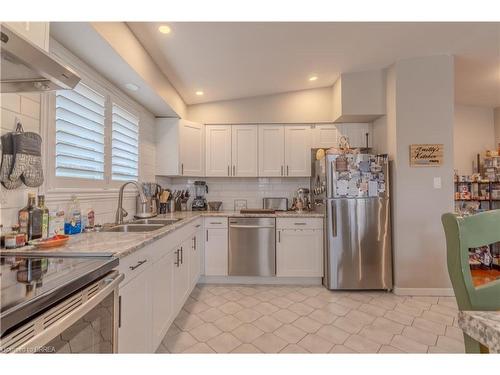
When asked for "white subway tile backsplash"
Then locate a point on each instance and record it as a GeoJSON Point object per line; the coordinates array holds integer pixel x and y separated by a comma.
{"type": "Point", "coordinates": [12, 102]}
{"type": "Point", "coordinates": [30, 107]}
{"type": "Point", "coordinates": [228, 190]}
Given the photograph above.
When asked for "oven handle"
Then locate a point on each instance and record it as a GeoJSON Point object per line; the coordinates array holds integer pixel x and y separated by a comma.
{"type": "Point", "coordinates": [111, 280]}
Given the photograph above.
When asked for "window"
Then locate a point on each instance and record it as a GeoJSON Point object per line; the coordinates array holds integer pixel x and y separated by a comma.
{"type": "Point", "coordinates": [79, 149]}
{"type": "Point", "coordinates": [125, 145]}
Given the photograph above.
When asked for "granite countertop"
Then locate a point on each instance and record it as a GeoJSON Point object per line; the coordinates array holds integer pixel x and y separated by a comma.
{"type": "Point", "coordinates": [123, 244]}
{"type": "Point", "coordinates": [482, 326]}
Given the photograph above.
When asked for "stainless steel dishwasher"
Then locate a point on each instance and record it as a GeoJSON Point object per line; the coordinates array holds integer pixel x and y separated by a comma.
{"type": "Point", "coordinates": [252, 246]}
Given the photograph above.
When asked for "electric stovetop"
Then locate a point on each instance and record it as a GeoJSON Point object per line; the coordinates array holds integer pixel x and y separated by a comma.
{"type": "Point", "coordinates": [31, 284]}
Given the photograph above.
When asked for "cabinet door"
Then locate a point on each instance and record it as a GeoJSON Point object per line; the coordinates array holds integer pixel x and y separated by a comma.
{"type": "Point", "coordinates": [218, 150]}
{"type": "Point", "coordinates": [216, 252]}
{"type": "Point", "coordinates": [134, 334]}
{"type": "Point", "coordinates": [191, 149]}
{"type": "Point", "coordinates": [181, 274]}
{"type": "Point", "coordinates": [162, 285]}
{"type": "Point", "coordinates": [36, 32]}
{"type": "Point", "coordinates": [324, 136]}
{"type": "Point", "coordinates": [356, 133]}
{"type": "Point", "coordinates": [271, 150]}
{"type": "Point", "coordinates": [299, 253]}
{"type": "Point", "coordinates": [298, 151]}
{"type": "Point", "coordinates": [244, 150]}
{"type": "Point", "coordinates": [194, 259]}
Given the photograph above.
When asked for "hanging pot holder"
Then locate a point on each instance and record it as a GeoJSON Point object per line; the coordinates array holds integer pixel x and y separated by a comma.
{"type": "Point", "coordinates": [8, 159]}
{"type": "Point", "coordinates": [27, 159]}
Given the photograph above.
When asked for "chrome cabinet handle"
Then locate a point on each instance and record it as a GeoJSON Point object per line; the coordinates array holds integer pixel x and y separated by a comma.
{"type": "Point", "coordinates": [194, 243]}
{"type": "Point", "coordinates": [228, 170]}
{"type": "Point", "coordinates": [279, 236]}
{"type": "Point", "coordinates": [287, 171]}
{"type": "Point", "coordinates": [197, 226]}
{"type": "Point", "coordinates": [182, 255]}
{"type": "Point", "coordinates": [139, 263]}
{"type": "Point", "coordinates": [299, 223]}
{"type": "Point", "coordinates": [234, 170]}
{"type": "Point", "coordinates": [177, 262]}
{"type": "Point", "coordinates": [182, 169]}
{"type": "Point", "coordinates": [119, 311]}
{"type": "Point", "coordinates": [207, 235]}
{"type": "Point", "coordinates": [216, 222]}
{"type": "Point", "coordinates": [282, 170]}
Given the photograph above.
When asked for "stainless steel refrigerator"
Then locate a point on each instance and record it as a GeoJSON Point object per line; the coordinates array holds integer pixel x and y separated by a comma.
{"type": "Point", "coordinates": [352, 191]}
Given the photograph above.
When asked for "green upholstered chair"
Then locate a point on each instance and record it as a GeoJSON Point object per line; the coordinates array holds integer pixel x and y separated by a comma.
{"type": "Point", "coordinates": [463, 233]}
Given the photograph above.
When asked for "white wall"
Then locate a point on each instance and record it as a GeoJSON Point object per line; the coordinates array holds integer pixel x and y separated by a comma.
{"type": "Point", "coordinates": [420, 109]}
{"type": "Point", "coordinates": [306, 106]}
{"type": "Point", "coordinates": [474, 133]}
{"type": "Point", "coordinates": [424, 114]}
{"type": "Point", "coordinates": [229, 189]}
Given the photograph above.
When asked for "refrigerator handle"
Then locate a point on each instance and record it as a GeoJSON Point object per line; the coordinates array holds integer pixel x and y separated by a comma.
{"type": "Point", "coordinates": [334, 220]}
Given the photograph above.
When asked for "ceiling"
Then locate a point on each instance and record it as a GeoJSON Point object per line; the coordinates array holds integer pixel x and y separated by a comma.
{"type": "Point", "coordinates": [236, 60]}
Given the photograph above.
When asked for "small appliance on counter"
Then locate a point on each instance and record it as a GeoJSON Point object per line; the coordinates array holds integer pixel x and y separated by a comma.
{"type": "Point", "coordinates": [144, 210]}
{"type": "Point", "coordinates": [214, 205]}
{"type": "Point", "coordinates": [276, 204]}
{"type": "Point", "coordinates": [199, 201]}
{"type": "Point", "coordinates": [302, 201]}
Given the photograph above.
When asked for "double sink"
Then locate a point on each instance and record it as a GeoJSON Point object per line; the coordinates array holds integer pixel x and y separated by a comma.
{"type": "Point", "coordinates": [141, 225]}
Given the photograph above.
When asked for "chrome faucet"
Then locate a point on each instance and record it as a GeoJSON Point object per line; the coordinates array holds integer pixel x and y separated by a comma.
{"type": "Point", "coordinates": [121, 212]}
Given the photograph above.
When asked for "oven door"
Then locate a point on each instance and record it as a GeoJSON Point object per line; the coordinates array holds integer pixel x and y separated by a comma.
{"type": "Point", "coordinates": [85, 322]}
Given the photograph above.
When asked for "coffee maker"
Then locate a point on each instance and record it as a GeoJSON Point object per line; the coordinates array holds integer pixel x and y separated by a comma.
{"type": "Point", "coordinates": [199, 201]}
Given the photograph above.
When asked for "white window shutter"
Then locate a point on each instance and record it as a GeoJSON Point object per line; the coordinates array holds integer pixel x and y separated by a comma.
{"type": "Point", "coordinates": [80, 133]}
{"type": "Point", "coordinates": [125, 145]}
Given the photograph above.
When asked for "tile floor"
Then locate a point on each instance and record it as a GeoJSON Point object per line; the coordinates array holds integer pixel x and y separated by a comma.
{"type": "Point", "coordinates": [294, 319]}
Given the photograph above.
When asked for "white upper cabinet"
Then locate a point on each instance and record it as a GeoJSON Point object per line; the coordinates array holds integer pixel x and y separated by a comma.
{"type": "Point", "coordinates": [36, 32]}
{"type": "Point", "coordinates": [191, 148]}
{"type": "Point", "coordinates": [244, 151]}
{"type": "Point", "coordinates": [271, 150]}
{"type": "Point", "coordinates": [218, 146]}
{"type": "Point", "coordinates": [297, 151]}
{"type": "Point", "coordinates": [356, 133]}
{"type": "Point", "coordinates": [179, 148]}
{"type": "Point", "coordinates": [324, 136]}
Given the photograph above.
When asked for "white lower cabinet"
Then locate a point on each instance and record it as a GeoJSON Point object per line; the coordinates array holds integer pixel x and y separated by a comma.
{"type": "Point", "coordinates": [158, 281]}
{"type": "Point", "coordinates": [216, 248]}
{"type": "Point", "coordinates": [181, 282]}
{"type": "Point", "coordinates": [134, 334]}
{"type": "Point", "coordinates": [163, 301]}
{"type": "Point", "coordinates": [195, 257]}
{"type": "Point", "coordinates": [299, 247]}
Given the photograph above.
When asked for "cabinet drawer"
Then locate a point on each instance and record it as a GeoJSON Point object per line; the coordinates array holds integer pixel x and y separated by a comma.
{"type": "Point", "coordinates": [133, 265]}
{"type": "Point", "coordinates": [299, 223]}
{"type": "Point", "coordinates": [215, 222]}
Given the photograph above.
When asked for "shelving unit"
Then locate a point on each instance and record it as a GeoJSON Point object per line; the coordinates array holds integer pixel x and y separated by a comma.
{"type": "Point", "coordinates": [481, 191]}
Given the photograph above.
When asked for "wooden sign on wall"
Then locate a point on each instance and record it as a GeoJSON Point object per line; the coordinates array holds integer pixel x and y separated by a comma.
{"type": "Point", "coordinates": [428, 155]}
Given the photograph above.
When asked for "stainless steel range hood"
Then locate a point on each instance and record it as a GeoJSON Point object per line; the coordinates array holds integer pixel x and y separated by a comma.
{"type": "Point", "coordinates": [26, 68]}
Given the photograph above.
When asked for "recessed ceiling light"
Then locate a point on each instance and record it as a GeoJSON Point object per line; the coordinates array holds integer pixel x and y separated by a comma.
{"type": "Point", "coordinates": [313, 78]}
{"type": "Point", "coordinates": [199, 93]}
{"type": "Point", "coordinates": [131, 87]}
{"type": "Point", "coordinates": [164, 29]}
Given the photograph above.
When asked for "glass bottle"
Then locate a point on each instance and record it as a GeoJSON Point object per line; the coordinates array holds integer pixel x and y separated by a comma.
{"type": "Point", "coordinates": [35, 221]}
{"type": "Point", "coordinates": [45, 216]}
{"type": "Point", "coordinates": [23, 217]}
{"type": "Point", "coordinates": [73, 221]}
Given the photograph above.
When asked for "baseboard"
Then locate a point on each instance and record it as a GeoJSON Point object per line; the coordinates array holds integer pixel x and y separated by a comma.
{"type": "Point", "coordinates": [424, 291]}
{"type": "Point", "coordinates": [260, 280]}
